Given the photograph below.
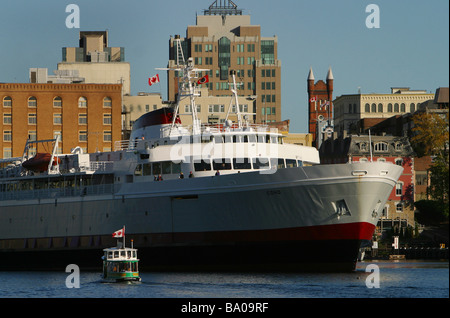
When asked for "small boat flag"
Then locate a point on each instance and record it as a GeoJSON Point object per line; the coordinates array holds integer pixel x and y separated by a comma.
{"type": "Point", "coordinates": [313, 99]}
{"type": "Point", "coordinates": [119, 233]}
{"type": "Point", "coordinates": [153, 80]}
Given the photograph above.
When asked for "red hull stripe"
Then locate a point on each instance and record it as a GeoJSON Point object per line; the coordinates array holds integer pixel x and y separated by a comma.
{"type": "Point", "coordinates": [349, 231]}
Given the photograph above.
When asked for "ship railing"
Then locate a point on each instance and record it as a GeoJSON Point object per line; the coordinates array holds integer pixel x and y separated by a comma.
{"type": "Point", "coordinates": [54, 193]}
{"type": "Point", "coordinates": [121, 145]}
{"type": "Point", "coordinates": [216, 129]}
{"type": "Point", "coordinates": [101, 166]}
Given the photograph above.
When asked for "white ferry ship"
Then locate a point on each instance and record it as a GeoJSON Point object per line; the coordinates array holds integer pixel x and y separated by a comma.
{"type": "Point", "coordinates": [247, 201]}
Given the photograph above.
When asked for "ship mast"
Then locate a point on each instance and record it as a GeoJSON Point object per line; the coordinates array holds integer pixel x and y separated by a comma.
{"type": "Point", "coordinates": [236, 101]}
{"type": "Point", "coordinates": [186, 87]}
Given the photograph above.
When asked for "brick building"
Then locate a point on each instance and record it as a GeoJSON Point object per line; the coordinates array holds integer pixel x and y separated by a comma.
{"type": "Point", "coordinates": [398, 212]}
{"type": "Point", "coordinates": [85, 115]}
{"type": "Point", "coordinates": [320, 101]}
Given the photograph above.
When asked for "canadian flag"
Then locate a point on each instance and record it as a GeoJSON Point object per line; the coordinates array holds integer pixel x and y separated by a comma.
{"type": "Point", "coordinates": [153, 80]}
{"type": "Point", "coordinates": [119, 233]}
{"type": "Point", "coordinates": [313, 99]}
{"type": "Point", "coordinates": [203, 80]}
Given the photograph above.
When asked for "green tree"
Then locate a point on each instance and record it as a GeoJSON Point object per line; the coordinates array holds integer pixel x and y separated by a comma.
{"type": "Point", "coordinates": [439, 180]}
{"type": "Point", "coordinates": [431, 138]}
{"type": "Point", "coordinates": [430, 212]}
{"type": "Point", "coordinates": [430, 133]}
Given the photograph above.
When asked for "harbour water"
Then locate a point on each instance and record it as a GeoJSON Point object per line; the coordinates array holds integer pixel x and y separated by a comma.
{"type": "Point", "coordinates": [374, 279]}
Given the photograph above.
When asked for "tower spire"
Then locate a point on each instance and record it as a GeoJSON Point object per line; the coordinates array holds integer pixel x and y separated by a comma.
{"type": "Point", "coordinates": [330, 74]}
{"type": "Point", "coordinates": [311, 74]}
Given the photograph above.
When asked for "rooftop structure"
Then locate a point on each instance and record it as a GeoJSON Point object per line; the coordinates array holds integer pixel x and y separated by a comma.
{"type": "Point", "coordinates": [223, 7]}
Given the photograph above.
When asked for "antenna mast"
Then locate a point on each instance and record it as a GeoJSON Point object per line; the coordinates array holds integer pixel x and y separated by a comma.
{"type": "Point", "coordinates": [186, 87]}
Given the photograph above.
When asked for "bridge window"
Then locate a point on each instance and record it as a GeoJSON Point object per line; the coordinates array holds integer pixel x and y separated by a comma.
{"type": "Point", "coordinates": [222, 164]}
{"type": "Point", "coordinates": [241, 163]}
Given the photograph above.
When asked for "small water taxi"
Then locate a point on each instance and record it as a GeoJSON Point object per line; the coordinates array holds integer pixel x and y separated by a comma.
{"type": "Point", "coordinates": [120, 263]}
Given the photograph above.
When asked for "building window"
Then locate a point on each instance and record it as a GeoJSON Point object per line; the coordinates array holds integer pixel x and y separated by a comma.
{"type": "Point", "coordinates": [216, 108]}
{"type": "Point", "coordinates": [363, 147]}
{"type": "Point", "coordinates": [421, 178]}
{"type": "Point", "coordinates": [381, 147]}
{"type": "Point", "coordinates": [374, 108]}
{"type": "Point", "coordinates": [57, 102]}
{"type": "Point", "coordinates": [107, 102]}
{"type": "Point", "coordinates": [380, 108]}
{"type": "Point", "coordinates": [32, 119]}
{"type": "Point", "coordinates": [242, 108]}
{"type": "Point", "coordinates": [107, 119]}
{"type": "Point", "coordinates": [389, 108]}
{"type": "Point", "coordinates": [399, 162]}
{"type": "Point", "coordinates": [268, 52]}
{"type": "Point", "coordinates": [82, 102]}
{"type": "Point", "coordinates": [398, 189]}
{"type": "Point", "coordinates": [399, 207]}
{"type": "Point", "coordinates": [412, 108]}
{"type": "Point", "coordinates": [385, 211]}
{"type": "Point", "coordinates": [7, 135]}
{"type": "Point", "coordinates": [82, 135]}
{"type": "Point", "coordinates": [224, 57]}
{"type": "Point", "coordinates": [57, 119]}
{"type": "Point", "coordinates": [403, 108]}
{"type": "Point", "coordinates": [188, 108]}
{"type": "Point", "coordinates": [82, 119]}
{"type": "Point", "coordinates": [7, 119]}
{"type": "Point", "coordinates": [32, 135]}
{"type": "Point", "coordinates": [7, 101]}
{"type": "Point", "coordinates": [32, 101]}
{"type": "Point", "coordinates": [57, 133]}
{"type": "Point", "coordinates": [396, 108]}
{"type": "Point", "coordinates": [367, 108]}
{"type": "Point", "coordinates": [107, 136]}
{"type": "Point", "coordinates": [7, 152]}
{"type": "Point", "coordinates": [398, 146]}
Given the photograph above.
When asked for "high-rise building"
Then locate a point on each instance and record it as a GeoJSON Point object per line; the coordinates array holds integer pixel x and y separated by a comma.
{"type": "Point", "coordinates": [96, 62]}
{"type": "Point", "coordinates": [222, 40]}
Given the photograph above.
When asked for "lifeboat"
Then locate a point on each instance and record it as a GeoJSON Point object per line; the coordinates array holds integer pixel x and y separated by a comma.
{"type": "Point", "coordinates": [40, 162]}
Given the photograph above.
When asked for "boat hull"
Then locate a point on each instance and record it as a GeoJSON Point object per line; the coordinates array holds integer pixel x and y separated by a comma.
{"type": "Point", "coordinates": [294, 219]}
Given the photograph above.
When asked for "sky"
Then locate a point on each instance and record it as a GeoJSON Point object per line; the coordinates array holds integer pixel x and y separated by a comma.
{"type": "Point", "coordinates": [409, 48]}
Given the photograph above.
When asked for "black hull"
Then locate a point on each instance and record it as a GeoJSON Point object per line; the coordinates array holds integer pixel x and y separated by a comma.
{"type": "Point", "coordinates": [326, 256]}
